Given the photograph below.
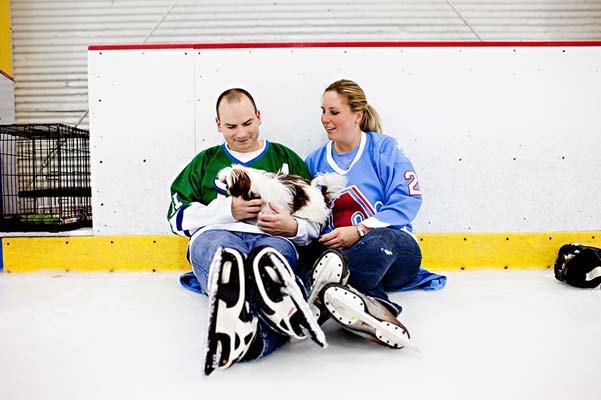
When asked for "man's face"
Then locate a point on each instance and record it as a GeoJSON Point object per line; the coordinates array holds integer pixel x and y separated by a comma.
{"type": "Point", "coordinates": [239, 125]}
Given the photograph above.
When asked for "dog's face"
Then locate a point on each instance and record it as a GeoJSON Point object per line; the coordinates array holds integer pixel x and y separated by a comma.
{"type": "Point", "coordinates": [237, 181]}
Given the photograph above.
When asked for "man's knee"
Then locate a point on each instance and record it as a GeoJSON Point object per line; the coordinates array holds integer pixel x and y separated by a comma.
{"type": "Point", "coordinates": [285, 247]}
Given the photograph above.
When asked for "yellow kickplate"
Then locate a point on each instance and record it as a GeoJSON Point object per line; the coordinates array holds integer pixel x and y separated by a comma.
{"type": "Point", "coordinates": [95, 253]}
{"type": "Point", "coordinates": [498, 250]}
{"type": "Point", "coordinates": [453, 251]}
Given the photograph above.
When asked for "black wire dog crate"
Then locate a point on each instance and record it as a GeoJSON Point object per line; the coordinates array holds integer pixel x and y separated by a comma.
{"type": "Point", "coordinates": [45, 178]}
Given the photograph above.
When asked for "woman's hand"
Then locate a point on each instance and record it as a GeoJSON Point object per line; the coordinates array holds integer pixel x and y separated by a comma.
{"type": "Point", "coordinates": [280, 223]}
{"type": "Point", "coordinates": [243, 209]}
{"type": "Point", "coordinates": [341, 238]}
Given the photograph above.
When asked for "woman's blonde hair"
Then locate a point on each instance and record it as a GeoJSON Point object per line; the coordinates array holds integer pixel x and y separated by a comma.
{"type": "Point", "coordinates": [356, 99]}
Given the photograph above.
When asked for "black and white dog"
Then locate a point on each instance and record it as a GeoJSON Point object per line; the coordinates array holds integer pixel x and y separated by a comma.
{"type": "Point", "coordinates": [303, 199]}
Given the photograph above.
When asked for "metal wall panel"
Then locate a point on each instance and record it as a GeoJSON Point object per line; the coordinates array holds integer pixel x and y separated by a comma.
{"type": "Point", "coordinates": [51, 37]}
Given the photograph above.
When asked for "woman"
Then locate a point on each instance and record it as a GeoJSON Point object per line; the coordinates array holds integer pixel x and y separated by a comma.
{"type": "Point", "coordinates": [370, 229]}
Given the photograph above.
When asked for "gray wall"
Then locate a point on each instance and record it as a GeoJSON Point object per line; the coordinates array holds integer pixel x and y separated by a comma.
{"type": "Point", "coordinates": [50, 37]}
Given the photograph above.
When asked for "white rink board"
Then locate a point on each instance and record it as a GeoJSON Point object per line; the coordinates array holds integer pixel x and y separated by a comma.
{"type": "Point", "coordinates": [141, 115]}
{"type": "Point", "coordinates": [503, 139]}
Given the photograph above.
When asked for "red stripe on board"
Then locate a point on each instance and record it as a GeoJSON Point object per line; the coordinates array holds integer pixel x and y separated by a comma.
{"type": "Point", "coordinates": [7, 75]}
{"type": "Point", "coordinates": [140, 46]}
{"type": "Point", "coordinates": [275, 45]}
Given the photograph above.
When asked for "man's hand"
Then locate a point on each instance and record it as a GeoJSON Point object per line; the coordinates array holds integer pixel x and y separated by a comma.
{"type": "Point", "coordinates": [242, 209]}
{"type": "Point", "coordinates": [340, 238]}
{"type": "Point", "coordinates": [279, 223]}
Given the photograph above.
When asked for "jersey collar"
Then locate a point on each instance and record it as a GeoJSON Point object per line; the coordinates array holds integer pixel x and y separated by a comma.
{"type": "Point", "coordinates": [335, 166]}
{"type": "Point", "coordinates": [246, 163]}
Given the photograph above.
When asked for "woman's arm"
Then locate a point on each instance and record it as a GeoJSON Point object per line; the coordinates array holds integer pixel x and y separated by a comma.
{"type": "Point", "coordinates": [400, 185]}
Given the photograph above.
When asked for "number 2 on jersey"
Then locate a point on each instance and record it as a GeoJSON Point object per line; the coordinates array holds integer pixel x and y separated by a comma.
{"type": "Point", "coordinates": [412, 178]}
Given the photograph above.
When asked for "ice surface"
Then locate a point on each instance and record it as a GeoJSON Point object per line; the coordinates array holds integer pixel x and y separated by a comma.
{"type": "Point", "coordinates": [487, 335]}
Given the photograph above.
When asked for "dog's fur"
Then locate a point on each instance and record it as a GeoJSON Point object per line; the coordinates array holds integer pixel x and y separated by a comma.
{"type": "Point", "coordinates": [289, 192]}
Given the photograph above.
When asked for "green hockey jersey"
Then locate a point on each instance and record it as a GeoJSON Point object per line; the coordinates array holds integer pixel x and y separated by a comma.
{"type": "Point", "coordinates": [197, 204]}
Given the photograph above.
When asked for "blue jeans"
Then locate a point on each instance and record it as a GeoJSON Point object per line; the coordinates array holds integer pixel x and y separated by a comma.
{"type": "Point", "coordinates": [383, 260]}
{"type": "Point", "coordinates": [201, 254]}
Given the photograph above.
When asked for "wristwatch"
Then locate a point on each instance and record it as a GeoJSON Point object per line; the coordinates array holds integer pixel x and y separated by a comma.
{"type": "Point", "coordinates": [361, 231]}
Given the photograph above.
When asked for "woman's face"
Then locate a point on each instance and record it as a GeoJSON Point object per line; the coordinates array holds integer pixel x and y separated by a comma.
{"type": "Point", "coordinates": [340, 122]}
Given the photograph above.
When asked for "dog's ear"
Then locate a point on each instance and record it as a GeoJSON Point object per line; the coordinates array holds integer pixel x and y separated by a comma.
{"type": "Point", "coordinates": [223, 174]}
{"type": "Point", "coordinates": [240, 186]}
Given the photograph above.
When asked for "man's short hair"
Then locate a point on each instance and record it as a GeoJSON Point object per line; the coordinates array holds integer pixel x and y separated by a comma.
{"type": "Point", "coordinates": [234, 95]}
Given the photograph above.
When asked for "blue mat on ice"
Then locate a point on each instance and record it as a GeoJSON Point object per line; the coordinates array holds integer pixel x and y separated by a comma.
{"type": "Point", "coordinates": [424, 280]}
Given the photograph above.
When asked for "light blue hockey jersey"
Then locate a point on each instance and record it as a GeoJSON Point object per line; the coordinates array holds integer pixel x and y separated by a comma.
{"type": "Point", "coordinates": [382, 188]}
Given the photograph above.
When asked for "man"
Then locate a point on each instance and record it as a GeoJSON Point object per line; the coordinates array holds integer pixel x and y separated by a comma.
{"type": "Point", "coordinates": [256, 303]}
